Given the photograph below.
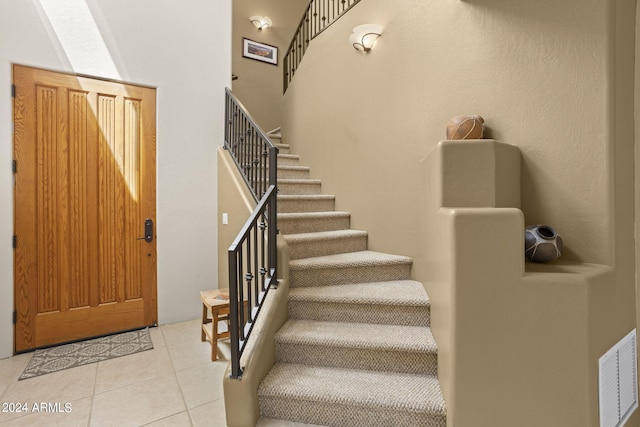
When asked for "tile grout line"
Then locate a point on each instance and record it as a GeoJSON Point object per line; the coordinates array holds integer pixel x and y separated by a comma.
{"type": "Point", "coordinates": [93, 394]}
{"type": "Point", "coordinates": [175, 374]}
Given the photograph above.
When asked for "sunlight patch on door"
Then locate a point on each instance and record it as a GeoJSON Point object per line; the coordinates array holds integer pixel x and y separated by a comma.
{"type": "Point", "coordinates": [72, 23]}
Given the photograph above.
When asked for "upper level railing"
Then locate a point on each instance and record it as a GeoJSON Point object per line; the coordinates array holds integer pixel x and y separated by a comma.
{"type": "Point", "coordinates": [253, 254]}
{"type": "Point", "coordinates": [318, 16]}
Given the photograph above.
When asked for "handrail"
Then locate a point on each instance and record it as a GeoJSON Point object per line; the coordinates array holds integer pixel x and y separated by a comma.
{"type": "Point", "coordinates": [253, 253]}
{"type": "Point", "coordinates": [318, 16]}
{"type": "Point", "coordinates": [249, 146]}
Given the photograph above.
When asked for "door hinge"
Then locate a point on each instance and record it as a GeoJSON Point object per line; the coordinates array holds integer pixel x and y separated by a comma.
{"type": "Point", "coordinates": [13, 91]}
{"type": "Point", "coordinates": [15, 317]}
{"type": "Point", "coordinates": [15, 241]}
{"type": "Point", "coordinates": [15, 166]}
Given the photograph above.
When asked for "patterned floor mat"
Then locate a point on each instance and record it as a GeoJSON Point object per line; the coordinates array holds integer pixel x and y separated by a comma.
{"type": "Point", "coordinates": [67, 356]}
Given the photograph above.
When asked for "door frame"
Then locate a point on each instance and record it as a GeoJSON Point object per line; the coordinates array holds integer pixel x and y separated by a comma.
{"type": "Point", "coordinates": [12, 206]}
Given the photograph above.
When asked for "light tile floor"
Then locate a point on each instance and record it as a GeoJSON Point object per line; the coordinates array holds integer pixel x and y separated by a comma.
{"type": "Point", "coordinates": [176, 384]}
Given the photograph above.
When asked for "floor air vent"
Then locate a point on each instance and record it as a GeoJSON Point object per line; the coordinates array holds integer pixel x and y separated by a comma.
{"type": "Point", "coordinates": [618, 382]}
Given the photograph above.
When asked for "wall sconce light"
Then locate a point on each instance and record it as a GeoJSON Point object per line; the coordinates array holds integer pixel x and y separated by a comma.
{"type": "Point", "coordinates": [365, 36]}
{"type": "Point", "coordinates": [261, 22]}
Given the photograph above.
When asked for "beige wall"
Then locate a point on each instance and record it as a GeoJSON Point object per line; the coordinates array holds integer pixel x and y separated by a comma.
{"type": "Point", "coordinates": [259, 85]}
{"type": "Point", "coordinates": [554, 79]}
{"type": "Point", "coordinates": [236, 202]}
{"type": "Point", "coordinates": [536, 71]}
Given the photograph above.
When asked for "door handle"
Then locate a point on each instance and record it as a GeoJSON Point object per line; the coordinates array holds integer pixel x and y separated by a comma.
{"type": "Point", "coordinates": [148, 231]}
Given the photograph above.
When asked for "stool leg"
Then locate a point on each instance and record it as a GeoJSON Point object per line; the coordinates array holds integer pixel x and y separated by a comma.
{"type": "Point", "coordinates": [203, 336]}
{"type": "Point", "coordinates": [214, 335]}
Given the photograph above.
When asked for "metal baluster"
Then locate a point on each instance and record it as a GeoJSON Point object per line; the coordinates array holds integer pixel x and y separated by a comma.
{"type": "Point", "coordinates": [236, 129]}
{"type": "Point", "coordinates": [233, 313]}
{"type": "Point", "coordinates": [326, 15]}
{"type": "Point", "coordinates": [241, 159]}
{"type": "Point", "coordinates": [263, 270]}
{"type": "Point", "coordinates": [254, 171]}
{"type": "Point", "coordinates": [256, 267]}
{"type": "Point", "coordinates": [264, 157]}
{"type": "Point", "coordinates": [240, 301]}
{"type": "Point", "coordinates": [273, 213]}
{"type": "Point", "coordinates": [226, 120]}
{"type": "Point", "coordinates": [335, 12]}
{"type": "Point", "coordinates": [248, 278]}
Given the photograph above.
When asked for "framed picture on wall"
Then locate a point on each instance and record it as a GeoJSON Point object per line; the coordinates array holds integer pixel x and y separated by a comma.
{"type": "Point", "coordinates": [259, 51]}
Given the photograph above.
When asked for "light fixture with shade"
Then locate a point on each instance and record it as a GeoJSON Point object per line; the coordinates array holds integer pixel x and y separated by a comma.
{"type": "Point", "coordinates": [261, 22]}
{"type": "Point", "coordinates": [365, 36]}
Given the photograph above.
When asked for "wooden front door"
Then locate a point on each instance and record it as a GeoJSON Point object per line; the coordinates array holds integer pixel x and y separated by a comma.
{"type": "Point", "coordinates": [85, 168]}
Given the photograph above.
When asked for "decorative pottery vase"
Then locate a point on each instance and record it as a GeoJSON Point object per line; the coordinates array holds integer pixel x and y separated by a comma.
{"type": "Point", "coordinates": [465, 127]}
{"type": "Point", "coordinates": [542, 243]}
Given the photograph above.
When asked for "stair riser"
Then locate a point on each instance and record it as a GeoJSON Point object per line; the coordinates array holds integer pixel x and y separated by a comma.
{"type": "Point", "coordinates": [344, 415]}
{"type": "Point", "coordinates": [352, 274]}
{"type": "Point", "coordinates": [359, 313]}
{"type": "Point", "coordinates": [321, 205]}
{"type": "Point", "coordinates": [357, 358]}
{"type": "Point", "coordinates": [312, 225]}
{"type": "Point", "coordinates": [284, 173]}
{"type": "Point", "coordinates": [282, 149]}
{"type": "Point", "coordinates": [299, 189]}
{"type": "Point", "coordinates": [288, 161]}
{"type": "Point", "coordinates": [299, 250]}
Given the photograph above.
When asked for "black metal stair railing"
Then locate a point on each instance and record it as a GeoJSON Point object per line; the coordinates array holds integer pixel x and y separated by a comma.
{"type": "Point", "coordinates": [253, 253]}
{"type": "Point", "coordinates": [319, 15]}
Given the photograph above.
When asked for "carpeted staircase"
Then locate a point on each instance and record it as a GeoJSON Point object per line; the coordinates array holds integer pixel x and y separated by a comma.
{"type": "Point", "coordinates": [357, 349]}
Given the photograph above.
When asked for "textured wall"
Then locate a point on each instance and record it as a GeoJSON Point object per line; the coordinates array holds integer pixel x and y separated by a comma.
{"type": "Point", "coordinates": [259, 85]}
{"type": "Point", "coordinates": [536, 71]}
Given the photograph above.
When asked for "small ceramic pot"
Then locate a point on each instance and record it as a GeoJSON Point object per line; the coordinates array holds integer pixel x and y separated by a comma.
{"type": "Point", "coordinates": [542, 243]}
{"type": "Point", "coordinates": [465, 127]}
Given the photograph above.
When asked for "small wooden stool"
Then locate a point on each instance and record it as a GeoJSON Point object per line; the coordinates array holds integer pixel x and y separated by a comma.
{"type": "Point", "coordinates": [216, 302]}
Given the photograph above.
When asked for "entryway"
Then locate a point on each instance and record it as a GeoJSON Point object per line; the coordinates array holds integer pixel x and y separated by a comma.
{"type": "Point", "coordinates": [85, 207]}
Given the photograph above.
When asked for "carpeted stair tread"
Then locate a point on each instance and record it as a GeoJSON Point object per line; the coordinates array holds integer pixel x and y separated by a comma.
{"type": "Point", "coordinates": [305, 216]}
{"type": "Point", "coordinates": [374, 391]}
{"type": "Point", "coordinates": [352, 267]}
{"type": "Point", "coordinates": [299, 186]}
{"type": "Point", "coordinates": [300, 181]}
{"type": "Point", "coordinates": [292, 172]}
{"type": "Point", "coordinates": [306, 197]}
{"type": "Point", "coordinates": [293, 167]}
{"type": "Point", "coordinates": [310, 222]}
{"type": "Point", "coordinates": [298, 203]}
{"type": "Point", "coordinates": [314, 244]}
{"type": "Point", "coordinates": [311, 238]}
{"type": "Point", "coordinates": [362, 258]}
{"type": "Point", "coordinates": [388, 338]}
{"type": "Point", "coordinates": [367, 346]}
{"type": "Point", "coordinates": [396, 302]}
{"type": "Point", "coordinates": [397, 292]}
